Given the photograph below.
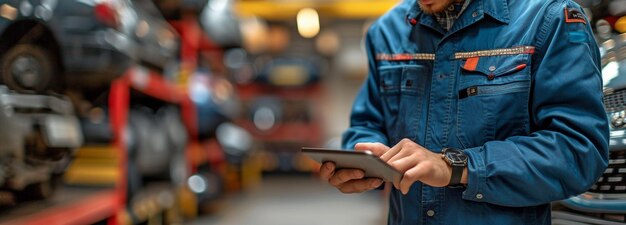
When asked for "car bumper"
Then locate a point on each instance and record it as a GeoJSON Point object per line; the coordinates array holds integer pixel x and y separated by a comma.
{"type": "Point", "coordinates": [589, 204]}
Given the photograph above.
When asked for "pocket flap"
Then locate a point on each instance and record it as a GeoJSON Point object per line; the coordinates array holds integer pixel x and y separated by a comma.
{"type": "Point", "coordinates": [405, 79]}
{"type": "Point", "coordinates": [495, 66]}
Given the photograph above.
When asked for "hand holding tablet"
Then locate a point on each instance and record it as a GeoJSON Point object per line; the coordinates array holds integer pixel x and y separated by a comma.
{"type": "Point", "coordinates": [372, 165]}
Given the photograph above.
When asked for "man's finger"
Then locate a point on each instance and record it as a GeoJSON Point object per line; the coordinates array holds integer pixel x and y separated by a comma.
{"type": "Point", "coordinates": [404, 164]}
{"type": "Point", "coordinates": [360, 185]}
{"type": "Point", "coordinates": [410, 176]}
{"type": "Point", "coordinates": [344, 175]}
{"type": "Point", "coordinates": [375, 182]}
{"type": "Point", "coordinates": [376, 148]}
{"type": "Point", "coordinates": [327, 170]}
{"type": "Point", "coordinates": [404, 153]}
{"type": "Point", "coordinates": [392, 152]}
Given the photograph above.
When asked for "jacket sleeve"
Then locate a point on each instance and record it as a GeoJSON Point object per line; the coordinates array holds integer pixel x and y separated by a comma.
{"type": "Point", "coordinates": [568, 148]}
{"type": "Point", "coordinates": [366, 119]}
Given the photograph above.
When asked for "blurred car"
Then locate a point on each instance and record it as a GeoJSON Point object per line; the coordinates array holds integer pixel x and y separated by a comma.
{"type": "Point", "coordinates": [75, 44]}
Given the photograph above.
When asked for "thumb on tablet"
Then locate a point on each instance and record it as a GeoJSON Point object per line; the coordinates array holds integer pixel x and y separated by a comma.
{"type": "Point", "coordinates": [376, 148]}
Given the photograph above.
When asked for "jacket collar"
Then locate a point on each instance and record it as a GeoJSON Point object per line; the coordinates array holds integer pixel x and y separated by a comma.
{"type": "Point", "coordinates": [497, 9]}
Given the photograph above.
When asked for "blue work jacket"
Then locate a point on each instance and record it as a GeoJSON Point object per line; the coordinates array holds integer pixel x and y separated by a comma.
{"type": "Point", "coordinates": [515, 84]}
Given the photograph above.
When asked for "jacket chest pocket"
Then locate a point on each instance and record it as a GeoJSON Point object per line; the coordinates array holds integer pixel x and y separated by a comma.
{"type": "Point", "coordinates": [493, 95]}
{"type": "Point", "coordinates": [402, 90]}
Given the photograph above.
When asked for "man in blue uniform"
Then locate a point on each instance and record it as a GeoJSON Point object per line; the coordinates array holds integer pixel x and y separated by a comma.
{"type": "Point", "coordinates": [493, 108]}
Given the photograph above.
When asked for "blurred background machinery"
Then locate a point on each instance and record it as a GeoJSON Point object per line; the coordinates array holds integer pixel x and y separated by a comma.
{"type": "Point", "coordinates": [108, 73]}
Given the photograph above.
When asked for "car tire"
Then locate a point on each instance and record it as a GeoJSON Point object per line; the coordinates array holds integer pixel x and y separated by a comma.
{"type": "Point", "coordinates": [138, 131]}
{"type": "Point", "coordinates": [151, 152]}
{"type": "Point", "coordinates": [169, 119]}
{"type": "Point", "coordinates": [27, 68]}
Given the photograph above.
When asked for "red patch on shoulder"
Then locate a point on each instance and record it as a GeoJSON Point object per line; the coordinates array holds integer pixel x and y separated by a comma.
{"type": "Point", "coordinates": [574, 16]}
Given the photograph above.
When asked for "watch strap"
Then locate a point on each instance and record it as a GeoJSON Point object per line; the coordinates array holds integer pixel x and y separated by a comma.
{"type": "Point", "coordinates": [455, 179]}
{"type": "Point", "coordinates": [457, 166]}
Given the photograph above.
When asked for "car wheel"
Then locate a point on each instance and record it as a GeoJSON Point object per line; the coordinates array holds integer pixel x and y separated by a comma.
{"type": "Point", "coordinates": [28, 67]}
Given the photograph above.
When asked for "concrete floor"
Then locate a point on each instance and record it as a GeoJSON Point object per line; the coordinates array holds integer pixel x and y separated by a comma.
{"type": "Point", "coordinates": [298, 200]}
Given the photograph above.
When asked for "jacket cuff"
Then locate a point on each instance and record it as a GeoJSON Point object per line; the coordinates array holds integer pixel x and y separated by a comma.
{"type": "Point", "coordinates": [476, 178]}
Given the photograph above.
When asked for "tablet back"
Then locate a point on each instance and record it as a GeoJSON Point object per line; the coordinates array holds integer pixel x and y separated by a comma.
{"type": "Point", "coordinates": [370, 164]}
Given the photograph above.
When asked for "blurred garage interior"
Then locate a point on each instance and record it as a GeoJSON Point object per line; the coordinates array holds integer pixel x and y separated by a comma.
{"type": "Point", "coordinates": [195, 111]}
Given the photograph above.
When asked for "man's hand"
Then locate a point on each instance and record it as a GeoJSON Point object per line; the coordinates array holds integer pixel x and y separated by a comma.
{"type": "Point", "coordinates": [351, 180]}
{"type": "Point", "coordinates": [417, 164]}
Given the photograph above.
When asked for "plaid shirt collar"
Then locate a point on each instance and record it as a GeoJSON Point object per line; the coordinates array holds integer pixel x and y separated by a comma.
{"type": "Point", "coordinates": [448, 16]}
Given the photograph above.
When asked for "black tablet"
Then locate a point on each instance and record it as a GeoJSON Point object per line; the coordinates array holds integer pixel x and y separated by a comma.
{"type": "Point", "coordinates": [364, 160]}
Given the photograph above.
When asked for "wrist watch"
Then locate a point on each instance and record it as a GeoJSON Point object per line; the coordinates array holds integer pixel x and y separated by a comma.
{"type": "Point", "coordinates": [458, 160]}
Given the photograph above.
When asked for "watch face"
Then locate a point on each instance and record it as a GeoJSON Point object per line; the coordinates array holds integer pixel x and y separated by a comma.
{"type": "Point", "coordinates": [456, 156]}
